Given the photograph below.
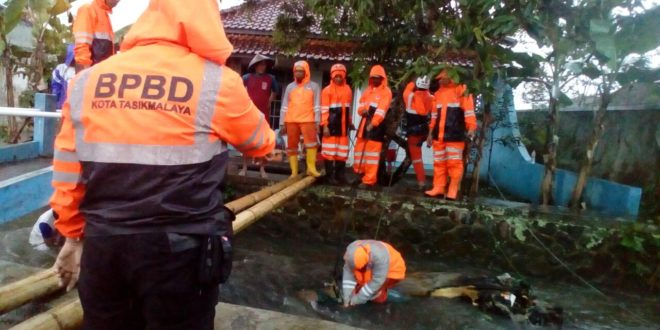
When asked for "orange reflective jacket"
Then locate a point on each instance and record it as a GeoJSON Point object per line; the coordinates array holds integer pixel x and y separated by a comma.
{"type": "Point", "coordinates": [143, 144]}
{"type": "Point", "coordinates": [370, 263]}
{"type": "Point", "coordinates": [301, 102]}
{"type": "Point", "coordinates": [453, 115]}
{"type": "Point", "coordinates": [336, 106]}
{"type": "Point", "coordinates": [374, 104]}
{"type": "Point", "coordinates": [95, 40]}
{"type": "Point", "coordinates": [419, 105]}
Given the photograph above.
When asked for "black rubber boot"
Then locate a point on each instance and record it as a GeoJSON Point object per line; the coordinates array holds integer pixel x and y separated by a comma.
{"type": "Point", "coordinates": [340, 172]}
{"type": "Point", "coordinates": [329, 172]}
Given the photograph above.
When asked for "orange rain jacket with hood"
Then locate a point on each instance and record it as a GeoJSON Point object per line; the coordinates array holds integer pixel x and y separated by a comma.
{"type": "Point", "coordinates": [454, 114]}
{"type": "Point", "coordinates": [336, 104]}
{"type": "Point", "coordinates": [369, 263]}
{"type": "Point", "coordinates": [301, 102]}
{"type": "Point", "coordinates": [374, 104]}
{"type": "Point", "coordinates": [92, 30]}
{"type": "Point", "coordinates": [143, 144]}
{"type": "Point", "coordinates": [419, 105]}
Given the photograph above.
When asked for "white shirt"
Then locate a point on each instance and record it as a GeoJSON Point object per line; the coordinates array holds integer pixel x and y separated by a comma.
{"type": "Point", "coordinates": [36, 238]}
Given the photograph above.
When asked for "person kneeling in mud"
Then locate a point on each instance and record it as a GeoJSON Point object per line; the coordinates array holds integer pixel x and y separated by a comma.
{"type": "Point", "coordinates": [370, 268]}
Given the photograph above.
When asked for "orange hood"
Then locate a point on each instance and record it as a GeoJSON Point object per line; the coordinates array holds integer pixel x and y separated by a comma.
{"type": "Point", "coordinates": [361, 257]}
{"type": "Point", "coordinates": [337, 70]}
{"type": "Point", "coordinates": [378, 70]}
{"type": "Point", "coordinates": [305, 66]}
{"type": "Point", "coordinates": [444, 74]}
{"type": "Point", "coordinates": [193, 24]}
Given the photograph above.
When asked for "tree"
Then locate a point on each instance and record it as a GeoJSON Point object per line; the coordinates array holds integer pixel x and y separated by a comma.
{"type": "Point", "coordinates": [415, 37]}
{"type": "Point", "coordinates": [620, 33]}
{"type": "Point", "coordinates": [49, 34]}
{"type": "Point", "coordinates": [9, 19]}
{"type": "Point", "coordinates": [49, 38]}
{"type": "Point", "coordinates": [559, 27]}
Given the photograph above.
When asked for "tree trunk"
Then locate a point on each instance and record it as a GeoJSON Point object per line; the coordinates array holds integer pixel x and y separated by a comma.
{"type": "Point", "coordinates": [474, 189]}
{"type": "Point", "coordinates": [550, 157]}
{"type": "Point", "coordinates": [9, 87]}
{"type": "Point", "coordinates": [587, 161]}
{"type": "Point", "coordinates": [37, 62]}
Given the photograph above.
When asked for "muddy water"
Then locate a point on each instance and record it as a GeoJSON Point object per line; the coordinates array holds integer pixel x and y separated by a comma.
{"type": "Point", "coordinates": [272, 268]}
{"type": "Point", "coordinates": [280, 267]}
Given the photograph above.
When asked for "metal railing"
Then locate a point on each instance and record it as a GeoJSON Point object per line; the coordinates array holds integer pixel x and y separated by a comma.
{"type": "Point", "coordinates": [29, 112]}
{"type": "Point", "coordinates": [45, 126]}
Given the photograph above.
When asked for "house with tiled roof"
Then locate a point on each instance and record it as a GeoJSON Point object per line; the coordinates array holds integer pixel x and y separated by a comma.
{"type": "Point", "coordinates": [250, 27]}
{"type": "Point", "coordinates": [250, 30]}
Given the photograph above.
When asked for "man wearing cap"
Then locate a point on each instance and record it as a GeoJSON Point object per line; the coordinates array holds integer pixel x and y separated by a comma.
{"type": "Point", "coordinates": [262, 88]}
{"type": "Point", "coordinates": [370, 268]}
{"type": "Point", "coordinates": [336, 100]}
{"type": "Point", "coordinates": [301, 114]}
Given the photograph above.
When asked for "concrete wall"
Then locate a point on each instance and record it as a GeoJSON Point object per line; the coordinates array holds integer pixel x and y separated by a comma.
{"type": "Point", "coordinates": [18, 152]}
{"type": "Point", "coordinates": [508, 165]}
{"type": "Point", "coordinates": [24, 194]}
{"type": "Point", "coordinates": [629, 151]}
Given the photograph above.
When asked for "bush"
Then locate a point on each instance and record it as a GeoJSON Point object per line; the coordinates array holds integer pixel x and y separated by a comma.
{"type": "Point", "coordinates": [26, 99]}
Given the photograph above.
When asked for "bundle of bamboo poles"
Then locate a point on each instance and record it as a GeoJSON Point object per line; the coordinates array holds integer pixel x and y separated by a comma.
{"type": "Point", "coordinates": [69, 315]}
{"type": "Point", "coordinates": [18, 293]}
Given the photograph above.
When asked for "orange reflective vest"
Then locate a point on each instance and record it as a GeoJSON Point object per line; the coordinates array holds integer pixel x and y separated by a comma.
{"type": "Point", "coordinates": [336, 108]}
{"type": "Point", "coordinates": [143, 144]}
{"type": "Point", "coordinates": [301, 102]}
{"type": "Point", "coordinates": [453, 115]}
{"type": "Point", "coordinates": [373, 107]}
{"type": "Point", "coordinates": [94, 38]}
{"type": "Point", "coordinates": [419, 105]}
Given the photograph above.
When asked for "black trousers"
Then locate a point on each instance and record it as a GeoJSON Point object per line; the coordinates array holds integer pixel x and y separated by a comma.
{"type": "Point", "coordinates": [144, 281]}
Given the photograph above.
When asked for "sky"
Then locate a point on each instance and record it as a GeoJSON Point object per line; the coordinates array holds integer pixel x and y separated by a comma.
{"type": "Point", "coordinates": [128, 11]}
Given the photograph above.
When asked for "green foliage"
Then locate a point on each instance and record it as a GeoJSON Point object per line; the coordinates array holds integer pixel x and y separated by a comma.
{"type": "Point", "coordinates": [11, 16]}
{"type": "Point", "coordinates": [596, 237]}
{"type": "Point", "coordinates": [292, 27]}
{"type": "Point", "coordinates": [633, 237]}
{"type": "Point", "coordinates": [634, 243]}
{"type": "Point", "coordinates": [26, 99]}
{"type": "Point", "coordinates": [412, 37]}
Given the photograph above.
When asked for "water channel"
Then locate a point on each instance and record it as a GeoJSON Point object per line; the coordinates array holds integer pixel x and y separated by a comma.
{"type": "Point", "coordinates": [273, 268]}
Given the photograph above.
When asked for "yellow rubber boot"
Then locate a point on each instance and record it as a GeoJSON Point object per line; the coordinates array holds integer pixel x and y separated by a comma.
{"type": "Point", "coordinates": [293, 163]}
{"type": "Point", "coordinates": [311, 163]}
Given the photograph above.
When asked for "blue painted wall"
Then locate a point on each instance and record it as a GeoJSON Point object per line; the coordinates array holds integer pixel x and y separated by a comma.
{"type": "Point", "coordinates": [24, 194]}
{"type": "Point", "coordinates": [509, 166]}
{"type": "Point", "coordinates": [45, 129]}
{"type": "Point", "coordinates": [18, 152]}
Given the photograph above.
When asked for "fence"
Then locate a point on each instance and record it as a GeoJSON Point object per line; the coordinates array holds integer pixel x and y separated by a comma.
{"type": "Point", "coordinates": [45, 128]}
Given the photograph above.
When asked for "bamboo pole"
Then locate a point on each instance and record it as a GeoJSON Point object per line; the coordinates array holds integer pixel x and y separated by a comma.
{"type": "Point", "coordinates": [254, 213]}
{"type": "Point", "coordinates": [244, 202]}
{"type": "Point", "coordinates": [32, 287]}
{"type": "Point", "coordinates": [46, 282]}
{"type": "Point", "coordinates": [69, 316]}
